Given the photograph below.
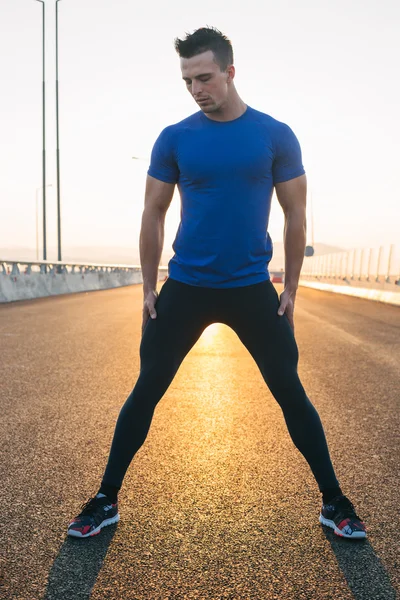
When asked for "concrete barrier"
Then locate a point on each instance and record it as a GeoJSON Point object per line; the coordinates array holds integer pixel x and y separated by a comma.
{"type": "Point", "coordinates": [380, 295]}
{"type": "Point", "coordinates": [51, 279]}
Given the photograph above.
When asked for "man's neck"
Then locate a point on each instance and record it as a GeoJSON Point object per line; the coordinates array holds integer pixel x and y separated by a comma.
{"type": "Point", "coordinates": [233, 110]}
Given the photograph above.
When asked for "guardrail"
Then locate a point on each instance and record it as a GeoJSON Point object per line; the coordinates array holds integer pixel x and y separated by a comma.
{"type": "Point", "coordinates": [25, 280]}
{"type": "Point", "coordinates": [370, 267]}
{"type": "Point", "coordinates": [13, 267]}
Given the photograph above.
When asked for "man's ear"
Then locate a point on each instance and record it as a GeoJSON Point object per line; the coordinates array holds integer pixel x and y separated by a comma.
{"type": "Point", "coordinates": [231, 73]}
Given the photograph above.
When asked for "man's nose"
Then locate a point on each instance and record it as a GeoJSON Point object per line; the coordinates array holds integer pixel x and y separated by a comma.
{"type": "Point", "coordinates": [196, 88]}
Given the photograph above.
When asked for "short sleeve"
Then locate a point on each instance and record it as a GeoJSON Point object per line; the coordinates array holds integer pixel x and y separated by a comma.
{"type": "Point", "coordinates": [163, 164]}
{"type": "Point", "coordinates": [288, 161]}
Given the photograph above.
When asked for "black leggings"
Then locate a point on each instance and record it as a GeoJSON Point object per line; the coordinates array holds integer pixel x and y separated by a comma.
{"type": "Point", "coordinates": [183, 312]}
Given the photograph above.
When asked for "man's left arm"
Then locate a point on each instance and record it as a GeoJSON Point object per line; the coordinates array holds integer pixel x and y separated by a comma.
{"type": "Point", "coordinates": [292, 196]}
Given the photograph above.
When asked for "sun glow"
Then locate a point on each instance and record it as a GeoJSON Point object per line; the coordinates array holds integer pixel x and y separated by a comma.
{"type": "Point", "coordinates": [210, 333]}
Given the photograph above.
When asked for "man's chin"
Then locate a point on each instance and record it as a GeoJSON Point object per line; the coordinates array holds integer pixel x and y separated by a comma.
{"type": "Point", "coordinates": [209, 109]}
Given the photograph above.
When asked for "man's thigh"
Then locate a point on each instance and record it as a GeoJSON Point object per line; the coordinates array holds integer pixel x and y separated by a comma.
{"type": "Point", "coordinates": [183, 313]}
{"type": "Point", "coordinates": [253, 315]}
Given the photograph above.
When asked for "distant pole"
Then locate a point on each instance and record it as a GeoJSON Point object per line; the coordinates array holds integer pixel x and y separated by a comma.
{"type": "Point", "coordinates": [58, 146]}
{"type": "Point", "coordinates": [44, 133]}
{"type": "Point", "coordinates": [37, 220]}
{"type": "Point", "coordinates": [37, 225]}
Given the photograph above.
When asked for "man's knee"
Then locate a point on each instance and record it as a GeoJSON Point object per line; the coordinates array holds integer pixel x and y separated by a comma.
{"type": "Point", "coordinates": [287, 389]}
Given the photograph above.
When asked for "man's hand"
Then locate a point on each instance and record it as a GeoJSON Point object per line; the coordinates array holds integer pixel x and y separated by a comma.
{"type": "Point", "coordinates": [287, 299]}
{"type": "Point", "coordinates": [149, 302]}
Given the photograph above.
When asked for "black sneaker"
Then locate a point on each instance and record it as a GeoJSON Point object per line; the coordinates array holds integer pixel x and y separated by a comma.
{"type": "Point", "coordinates": [96, 513]}
{"type": "Point", "coordinates": [340, 515]}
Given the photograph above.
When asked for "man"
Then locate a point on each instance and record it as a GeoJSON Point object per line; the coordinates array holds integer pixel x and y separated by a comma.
{"type": "Point", "coordinates": [226, 159]}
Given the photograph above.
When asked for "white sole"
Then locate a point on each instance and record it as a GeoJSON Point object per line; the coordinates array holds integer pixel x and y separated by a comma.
{"type": "Point", "coordinates": [357, 535]}
{"type": "Point", "coordinates": [78, 534]}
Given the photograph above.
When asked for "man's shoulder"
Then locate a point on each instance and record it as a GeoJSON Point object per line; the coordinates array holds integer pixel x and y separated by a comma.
{"type": "Point", "coordinates": [267, 120]}
{"type": "Point", "coordinates": [187, 123]}
{"type": "Point", "coordinates": [280, 134]}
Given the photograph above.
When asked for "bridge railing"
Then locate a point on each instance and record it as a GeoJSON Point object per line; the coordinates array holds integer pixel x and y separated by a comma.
{"type": "Point", "coordinates": [367, 266]}
{"type": "Point", "coordinates": [25, 280]}
{"type": "Point", "coordinates": [16, 267]}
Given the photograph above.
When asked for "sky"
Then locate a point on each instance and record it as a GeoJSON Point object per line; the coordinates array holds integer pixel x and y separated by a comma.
{"type": "Point", "coordinates": [330, 70]}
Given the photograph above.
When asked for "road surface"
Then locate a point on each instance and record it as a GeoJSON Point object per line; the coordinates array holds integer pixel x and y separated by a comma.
{"type": "Point", "coordinates": [217, 504]}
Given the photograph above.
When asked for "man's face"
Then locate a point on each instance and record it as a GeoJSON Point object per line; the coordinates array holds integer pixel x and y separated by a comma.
{"type": "Point", "coordinates": [205, 81]}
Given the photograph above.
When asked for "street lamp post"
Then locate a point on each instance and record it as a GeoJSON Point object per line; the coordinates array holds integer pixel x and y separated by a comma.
{"type": "Point", "coordinates": [58, 146]}
{"type": "Point", "coordinates": [37, 219]}
{"type": "Point", "coordinates": [44, 132]}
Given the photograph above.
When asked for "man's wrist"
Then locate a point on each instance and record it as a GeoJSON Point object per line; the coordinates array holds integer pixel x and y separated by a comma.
{"type": "Point", "coordinates": [149, 288]}
{"type": "Point", "coordinates": [291, 286]}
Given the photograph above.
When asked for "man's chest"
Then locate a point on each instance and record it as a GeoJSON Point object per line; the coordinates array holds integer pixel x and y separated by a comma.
{"type": "Point", "coordinates": [204, 158]}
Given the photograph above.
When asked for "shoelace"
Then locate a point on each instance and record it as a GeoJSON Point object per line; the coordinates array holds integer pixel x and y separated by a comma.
{"type": "Point", "coordinates": [346, 508]}
{"type": "Point", "coordinates": [87, 506]}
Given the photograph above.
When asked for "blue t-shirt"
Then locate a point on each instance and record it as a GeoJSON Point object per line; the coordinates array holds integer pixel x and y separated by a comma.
{"type": "Point", "coordinates": [225, 172]}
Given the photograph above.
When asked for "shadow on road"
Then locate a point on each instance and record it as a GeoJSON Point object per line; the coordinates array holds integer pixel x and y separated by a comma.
{"type": "Point", "coordinates": [76, 568]}
{"type": "Point", "coordinates": [364, 573]}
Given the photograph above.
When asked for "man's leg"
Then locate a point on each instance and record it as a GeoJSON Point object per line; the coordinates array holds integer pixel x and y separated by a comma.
{"type": "Point", "coordinates": [183, 312]}
{"type": "Point", "coordinates": [270, 340]}
{"type": "Point", "coordinates": [182, 316]}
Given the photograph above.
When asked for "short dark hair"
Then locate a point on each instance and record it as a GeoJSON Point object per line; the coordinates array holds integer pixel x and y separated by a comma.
{"type": "Point", "coordinates": [203, 39]}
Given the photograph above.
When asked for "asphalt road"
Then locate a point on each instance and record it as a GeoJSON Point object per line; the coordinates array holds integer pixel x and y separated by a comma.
{"type": "Point", "coordinates": [217, 504]}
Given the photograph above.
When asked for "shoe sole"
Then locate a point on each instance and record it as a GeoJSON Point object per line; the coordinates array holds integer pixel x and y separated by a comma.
{"type": "Point", "coordinates": [356, 535]}
{"type": "Point", "coordinates": [78, 534]}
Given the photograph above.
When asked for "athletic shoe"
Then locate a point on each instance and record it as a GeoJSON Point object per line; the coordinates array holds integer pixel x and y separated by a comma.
{"type": "Point", "coordinates": [96, 513]}
{"type": "Point", "coordinates": [340, 515]}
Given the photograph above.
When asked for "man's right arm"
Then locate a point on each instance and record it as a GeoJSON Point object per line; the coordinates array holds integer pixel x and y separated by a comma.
{"type": "Point", "coordinates": [158, 197]}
